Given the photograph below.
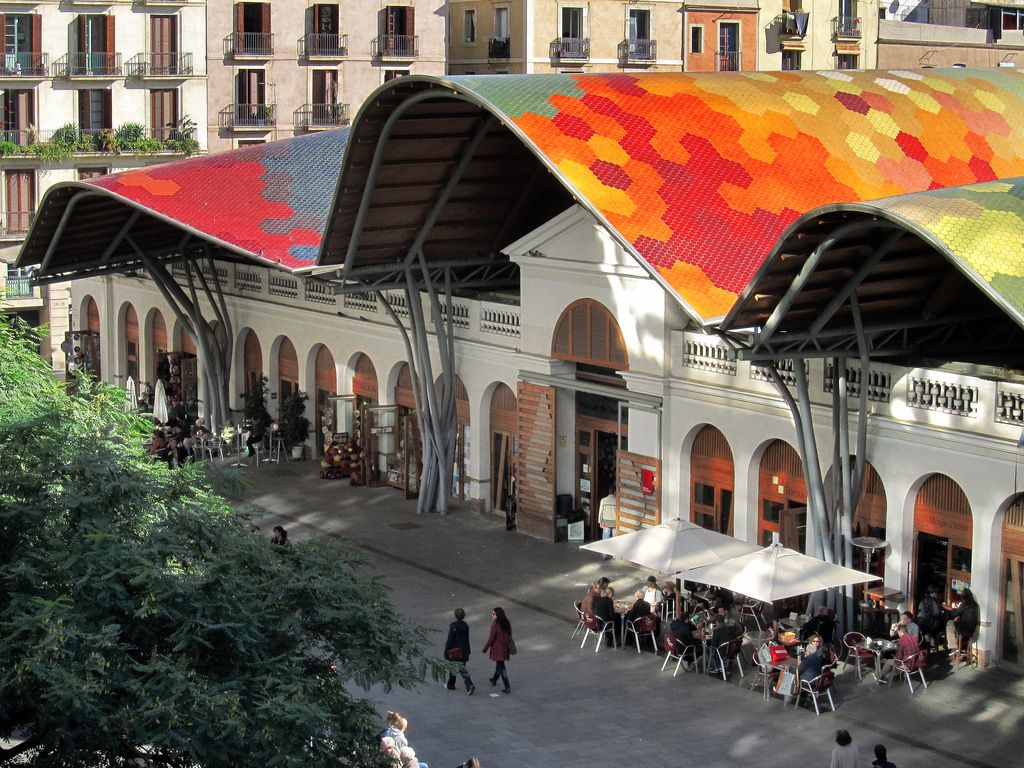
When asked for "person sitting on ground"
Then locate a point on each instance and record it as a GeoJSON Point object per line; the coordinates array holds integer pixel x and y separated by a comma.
{"type": "Point", "coordinates": [907, 620]}
{"type": "Point", "coordinates": [823, 623]}
{"type": "Point", "coordinates": [280, 536]}
{"type": "Point", "coordinates": [881, 759]}
{"type": "Point", "coordinates": [409, 759]}
{"type": "Point", "coordinates": [813, 660]}
{"type": "Point", "coordinates": [603, 607]}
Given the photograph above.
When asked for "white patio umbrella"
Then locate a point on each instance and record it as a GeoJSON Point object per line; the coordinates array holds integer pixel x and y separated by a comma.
{"type": "Point", "coordinates": [775, 573]}
{"type": "Point", "coordinates": [675, 545]}
{"type": "Point", "coordinates": [160, 410]}
{"type": "Point", "coordinates": [131, 396]}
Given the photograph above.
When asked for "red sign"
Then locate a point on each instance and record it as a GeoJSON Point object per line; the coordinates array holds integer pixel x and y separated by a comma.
{"type": "Point", "coordinates": [647, 481]}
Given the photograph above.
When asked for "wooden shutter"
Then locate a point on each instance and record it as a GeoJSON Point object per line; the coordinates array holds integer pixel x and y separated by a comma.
{"type": "Point", "coordinates": [24, 110]}
{"type": "Point", "coordinates": [239, 18]}
{"type": "Point", "coordinates": [504, 410]}
{"type": "Point", "coordinates": [163, 111]}
{"type": "Point", "coordinates": [108, 111]}
{"type": "Point", "coordinates": [364, 381]}
{"type": "Point", "coordinates": [83, 32]}
{"type": "Point", "coordinates": [19, 191]}
{"type": "Point", "coordinates": [535, 510]}
{"type": "Point", "coordinates": [36, 31]}
{"type": "Point", "coordinates": [84, 113]}
{"type": "Point", "coordinates": [287, 362]}
{"type": "Point", "coordinates": [410, 22]}
{"type": "Point", "coordinates": [265, 18]}
{"type": "Point", "coordinates": [636, 510]}
{"type": "Point", "coordinates": [404, 394]}
{"type": "Point", "coordinates": [109, 35]}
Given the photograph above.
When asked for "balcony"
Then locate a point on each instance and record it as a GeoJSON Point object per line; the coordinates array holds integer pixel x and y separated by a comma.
{"type": "Point", "coordinates": [248, 116]}
{"type": "Point", "coordinates": [144, 65]}
{"type": "Point", "coordinates": [793, 24]}
{"type": "Point", "coordinates": [249, 44]}
{"type": "Point", "coordinates": [68, 140]}
{"type": "Point", "coordinates": [729, 61]}
{"type": "Point", "coordinates": [638, 51]}
{"type": "Point", "coordinates": [16, 224]}
{"type": "Point", "coordinates": [322, 46]}
{"type": "Point", "coordinates": [24, 64]}
{"type": "Point", "coordinates": [570, 48]}
{"type": "Point", "coordinates": [101, 65]}
{"type": "Point", "coordinates": [498, 48]}
{"type": "Point", "coordinates": [846, 26]}
{"type": "Point", "coordinates": [311, 117]}
{"type": "Point", "coordinates": [401, 47]}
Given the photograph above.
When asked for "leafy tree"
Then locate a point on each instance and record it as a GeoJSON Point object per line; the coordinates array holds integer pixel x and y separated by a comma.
{"type": "Point", "coordinates": [141, 623]}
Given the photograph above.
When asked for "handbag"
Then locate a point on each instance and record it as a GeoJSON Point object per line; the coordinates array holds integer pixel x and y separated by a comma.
{"type": "Point", "coordinates": [511, 646]}
{"type": "Point", "coordinates": [455, 653]}
{"type": "Point", "coordinates": [786, 683]}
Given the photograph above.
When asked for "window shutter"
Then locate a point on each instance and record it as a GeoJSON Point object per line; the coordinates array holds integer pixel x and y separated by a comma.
{"type": "Point", "coordinates": [410, 22]}
{"type": "Point", "coordinates": [83, 110]}
{"type": "Point", "coordinates": [83, 32]}
{"type": "Point", "coordinates": [25, 110]}
{"type": "Point", "coordinates": [239, 18]}
{"type": "Point", "coordinates": [266, 19]}
{"type": "Point", "coordinates": [108, 112]}
{"type": "Point", "coordinates": [110, 37]}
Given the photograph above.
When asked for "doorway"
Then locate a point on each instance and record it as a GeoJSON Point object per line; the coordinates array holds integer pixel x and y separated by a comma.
{"type": "Point", "coordinates": [711, 470]}
{"type": "Point", "coordinates": [942, 549]}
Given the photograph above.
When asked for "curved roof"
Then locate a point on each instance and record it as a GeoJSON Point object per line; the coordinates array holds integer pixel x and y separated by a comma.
{"type": "Point", "coordinates": [267, 202]}
{"type": "Point", "coordinates": [934, 275]}
{"type": "Point", "coordinates": [698, 174]}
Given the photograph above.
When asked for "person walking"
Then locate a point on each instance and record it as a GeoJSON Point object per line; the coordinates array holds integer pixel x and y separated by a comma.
{"type": "Point", "coordinates": [498, 642]}
{"type": "Point", "coordinates": [456, 649]}
{"type": "Point", "coordinates": [607, 515]}
{"type": "Point", "coordinates": [845, 754]}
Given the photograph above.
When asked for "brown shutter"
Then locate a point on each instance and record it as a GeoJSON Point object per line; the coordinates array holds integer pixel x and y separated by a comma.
{"type": "Point", "coordinates": [25, 109]}
{"type": "Point", "coordinates": [83, 110]}
{"type": "Point", "coordinates": [390, 20]}
{"type": "Point", "coordinates": [410, 23]}
{"type": "Point", "coordinates": [109, 34]}
{"type": "Point", "coordinates": [36, 32]}
{"type": "Point", "coordinates": [636, 509]}
{"type": "Point", "coordinates": [108, 112]}
{"type": "Point", "coordinates": [239, 18]}
{"type": "Point", "coordinates": [266, 19]}
{"type": "Point", "coordinates": [535, 511]}
{"type": "Point", "coordinates": [83, 32]}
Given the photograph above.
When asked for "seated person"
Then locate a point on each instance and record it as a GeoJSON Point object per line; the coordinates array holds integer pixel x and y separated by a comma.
{"type": "Point", "coordinates": [823, 623]}
{"type": "Point", "coordinates": [724, 632]}
{"type": "Point", "coordinates": [813, 660]}
{"type": "Point", "coordinates": [256, 433]}
{"type": "Point", "coordinates": [199, 430]}
{"type": "Point", "coordinates": [929, 615]}
{"type": "Point", "coordinates": [639, 608]}
{"type": "Point", "coordinates": [588, 599]}
{"type": "Point", "coordinates": [603, 607]}
{"type": "Point", "coordinates": [652, 593]}
{"type": "Point", "coordinates": [906, 620]}
{"type": "Point", "coordinates": [906, 647]}
{"type": "Point", "coordinates": [160, 447]}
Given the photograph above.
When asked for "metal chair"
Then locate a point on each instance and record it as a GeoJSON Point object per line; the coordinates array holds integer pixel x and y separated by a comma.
{"type": "Point", "coordinates": [822, 684]}
{"type": "Point", "coordinates": [683, 654]}
{"type": "Point", "coordinates": [763, 675]}
{"type": "Point", "coordinates": [850, 641]}
{"type": "Point", "coordinates": [581, 623]}
{"type": "Point", "coordinates": [213, 445]}
{"type": "Point", "coordinates": [914, 663]}
{"type": "Point", "coordinates": [727, 652]}
{"type": "Point", "coordinates": [753, 608]}
{"type": "Point", "coordinates": [598, 627]}
{"type": "Point", "coordinates": [645, 625]}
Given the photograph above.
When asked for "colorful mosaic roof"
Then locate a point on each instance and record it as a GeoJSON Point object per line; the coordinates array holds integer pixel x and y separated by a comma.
{"type": "Point", "coordinates": [701, 173]}
{"type": "Point", "coordinates": [269, 201]}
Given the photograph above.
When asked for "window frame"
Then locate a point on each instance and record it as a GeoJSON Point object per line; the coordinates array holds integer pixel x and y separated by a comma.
{"type": "Point", "coordinates": [469, 26]}
{"type": "Point", "coordinates": [699, 30]}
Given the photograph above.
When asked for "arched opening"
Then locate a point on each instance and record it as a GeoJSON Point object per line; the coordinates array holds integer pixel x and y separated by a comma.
{"type": "Point", "coordinates": [504, 420]}
{"type": "Point", "coordinates": [85, 342]}
{"type": "Point", "coordinates": [942, 545]}
{"type": "Point", "coordinates": [869, 520]}
{"type": "Point", "coordinates": [287, 370]}
{"type": "Point", "coordinates": [158, 367]}
{"type": "Point", "coordinates": [326, 387]}
{"type": "Point", "coordinates": [92, 315]}
{"type": "Point", "coordinates": [1012, 609]}
{"type": "Point", "coordinates": [131, 344]}
{"type": "Point", "coordinates": [183, 372]}
{"type": "Point", "coordinates": [588, 335]}
{"type": "Point", "coordinates": [782, 495]}
{"type": "Point", "coordinates": [252, 361]}
{"type": "Point", "coordinates": [712, 475]}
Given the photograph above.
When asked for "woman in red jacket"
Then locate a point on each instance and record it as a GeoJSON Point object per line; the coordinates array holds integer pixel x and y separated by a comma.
{"type": "Point", "coordinates": [497, 643]}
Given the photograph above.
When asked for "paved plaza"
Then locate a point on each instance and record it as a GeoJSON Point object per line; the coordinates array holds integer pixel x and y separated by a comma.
{"type": "Point", "coordinates": [572, 707]}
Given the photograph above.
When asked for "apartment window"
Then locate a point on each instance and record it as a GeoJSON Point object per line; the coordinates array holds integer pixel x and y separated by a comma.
{"type": "Point", "coordinates": [1013, 19]}
{"type": "Point", "coordinates": [250, 142]}
{"type": "Point", "coordinates": [20, 199]}
{"type": "Point", "coordinates": [790, 60]}
{"type": "Point", "coordinates": [394, 74]}
{"type": "Point", "coordinates": [18, 115]}
{"type": "Point", "coordinates": [252, 27]}
{"type": "Point", "coordinates": [325, 110]}
{"type": "Point", "coordinates": [728, 46]}
{"type": "Point", "coordinates": [95, 55]}
{"type": "Point", "coordinates": [325, 19]}
{"type": "Point", "coordinates": [696, 39]}
{"type": "Point", "coordinates": [638, 24]}
{"type": "Point", "coordinates": [163, 42]}
{"type": "Point", "coordinates": [469, 26]}
{"type": "Point", "coordinates": [572, 23]}
{"type": "Point", "coordinates": [92, 172]}
{"type": "Point", "coordinates": [163, 112]}
{"type": "Point", "coordinates": [94, 110]}
{"type": "Point", "coordinates": [399, 20]}
{"type": "Point", "coordinates": [501, 23]}
{"type": "Point", "coordinates": [252, 86]}
{"type": "Point", "coordinates": [847, 61]}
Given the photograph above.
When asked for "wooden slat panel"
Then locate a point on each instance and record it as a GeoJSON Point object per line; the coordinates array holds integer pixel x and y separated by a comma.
{"type": "Point", "coordinates": [535, 492]}
{"type": "Point", "coordinates": [635, 509]}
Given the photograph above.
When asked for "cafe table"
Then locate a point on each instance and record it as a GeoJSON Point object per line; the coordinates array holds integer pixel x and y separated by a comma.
{"type": "Point", "coordinates": [878, 647]}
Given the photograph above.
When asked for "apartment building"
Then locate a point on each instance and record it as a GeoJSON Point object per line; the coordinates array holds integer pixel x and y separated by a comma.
{"type": "Point", "coordinates": [278, 70]}
{"type": "Point", "coordinates": [88, 88]}
{"type": "Point", "coordinates": [618, 35]}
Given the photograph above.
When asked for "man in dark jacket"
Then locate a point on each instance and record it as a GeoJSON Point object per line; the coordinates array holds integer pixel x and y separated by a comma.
{"type": "Point", "coordinates": [603, 607]}
{"type": "Point", "coordinates": [456, 649]}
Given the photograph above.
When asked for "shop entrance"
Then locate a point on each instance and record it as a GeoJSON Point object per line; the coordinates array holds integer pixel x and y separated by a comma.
{"type": "Point", "coordinates": [783, 495]}
{"type": "Point", "coordinates": [504, 441]}
{"type": "Point", "coordinates": [1012, 613]}
{"type": "Point", "coordinates": [597, 440]}
{"type": "Point", "coordinates": [711, 470]}
{"type": "Point", "coordinates": [942, 548]}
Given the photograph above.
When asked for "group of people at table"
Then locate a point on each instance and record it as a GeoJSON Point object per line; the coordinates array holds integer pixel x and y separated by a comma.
{"type": "Point", "coordinates": [804, 649]}
{"type": "Point", "coordinates": [179, 441]}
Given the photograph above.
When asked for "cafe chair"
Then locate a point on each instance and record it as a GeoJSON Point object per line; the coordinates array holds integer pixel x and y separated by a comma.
{"type": "Point", "coordinates": [753, 608]}
{"type": "Point", "coordinates": [822, 684]}
{"type": "Point", "coordinates": [966, 653]}
{"type": "Point", "coordinates": [725, 653]}
{"type": "Point", "coordinates": [854, 650]}
{"type": "Point", "coordinates": [645, 625]}
{"type": "Point", "coordinates": [581, 623]}
{"type": "Point", "coordinates": [763, 674]}
{"type": "Point", "coordinates": [598, 627]}
{"type": "Point", "coordinates": [908, 666]}
{"type": "Point", "coordinates": [213, 445]}
{"type": "Point", "coordinates": [674, 650]}
{"type": "Point", "coordinates": [831, 659]}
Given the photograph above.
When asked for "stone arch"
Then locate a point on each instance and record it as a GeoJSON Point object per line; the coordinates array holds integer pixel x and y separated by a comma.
{"type": "Point", "coordinates": [322, 375]}
{"type": "Point", "coordinates": [587, 332]}
{"type": "Point", "coordinates": [1008, 540]}
{"type": "Point", "coordinates": [156, 343]}
{"type": "Point", "coordinates": [781, 496]}
{"type": "Point", "coordinates": [362, 376]}
{"type": "Point", "coordinates": [503, 441]}
{"type": "Point", "coordinates": [128, 338]}
{"type": "Point", "coordinates": [943, 530]}
{"type": "Point", "coordinates": [712, 474]}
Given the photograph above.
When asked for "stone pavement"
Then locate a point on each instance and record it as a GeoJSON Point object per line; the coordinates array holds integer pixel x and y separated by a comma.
{"type": "Point", "coordinates": [572, 707]}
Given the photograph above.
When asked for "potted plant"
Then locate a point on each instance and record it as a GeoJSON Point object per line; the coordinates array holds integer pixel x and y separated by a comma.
{"type": "Point", "coordinates": [293, 423]}
{"type": "Point", "coordinates": [254, 402]}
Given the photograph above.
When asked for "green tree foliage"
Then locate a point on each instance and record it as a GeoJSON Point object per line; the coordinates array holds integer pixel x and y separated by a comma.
{"type": "Point", "coordinates": [141, 623]}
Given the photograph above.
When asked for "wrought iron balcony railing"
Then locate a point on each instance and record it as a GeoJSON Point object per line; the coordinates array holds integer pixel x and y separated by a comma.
{"type": "Point", "coordinates": [159, 65]}
{"type": "Point", "coordinates": [248, 116]}
{"type": "Point", "coordinates": [322, 45]}
{"type": "Point", "coordinates": [638, 50]}
{"type": "Point", "coordinates": [320, 116]}
{"type": "Point", "coordinates": [571, 48]}
{"type": "Point", "coordinates": [395, 46]}
{"type": "Point", "coordinates": [88, 65]}
{"type": "Point", "coordinates": [249, 44]}
{"type": "Point", "coordinates": [846, 26]}
{"type": "Point", "coordinates": [29, 64]}
{"type": "Point", "coordinates": [729, 61]}
{"type": "Point", "coordinates": [498, 48]}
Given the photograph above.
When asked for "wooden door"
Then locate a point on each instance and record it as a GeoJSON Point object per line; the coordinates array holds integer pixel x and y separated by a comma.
{"type": "Point", "coordinates": [21, 199]}
{"type": "Point", "coordinates": [711, 470]}
{"type": "Point", "coordinates": [781, 487]}
{"type": "Point", "coordinates": [163, 33]}
{"type": "Point", "coordinates": [535, 500]}
{"type": "Point", "coordinates": [942, 518]}
{"type": "Point", "coordinates": [163, 110]}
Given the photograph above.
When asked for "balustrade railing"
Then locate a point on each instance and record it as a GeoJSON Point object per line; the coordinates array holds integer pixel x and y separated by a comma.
{"type": "Point", "coordinates": [283, 285]}
{"type": "Point", "coordinates": [879, 382]}
{"type": "Point", "coordinates": [708, 355]}
{"type": "Point", "coordinates": [319, 291]}
{"type": "Point", "coordinates": [941, 395]}
{"type": "Point", "coordinates": [500, 321]}
{"type": "Point", "coordinates": [361, 302]}
{"type": "Point", "coordinates": [785, 368]}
